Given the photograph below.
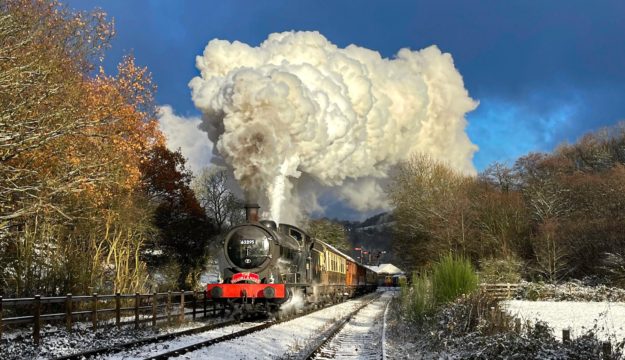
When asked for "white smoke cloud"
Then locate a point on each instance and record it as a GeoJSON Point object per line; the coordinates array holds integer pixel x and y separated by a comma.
{"type": "Point", "coordinates": [297, 104]}
{"type": "Point", "coordinates": [184, 134]}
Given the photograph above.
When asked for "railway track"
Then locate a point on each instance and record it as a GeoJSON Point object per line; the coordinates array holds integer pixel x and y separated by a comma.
{"type": "Point", "coordinates": [151, 340]}
{"type": "Point", "coordinates": [202, 344]}
{"type": "Point", "coordinates": [358, 336]}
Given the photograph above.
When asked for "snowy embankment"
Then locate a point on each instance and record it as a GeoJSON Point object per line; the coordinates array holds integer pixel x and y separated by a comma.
{"type": "Point", "coordinates": [605, 319]}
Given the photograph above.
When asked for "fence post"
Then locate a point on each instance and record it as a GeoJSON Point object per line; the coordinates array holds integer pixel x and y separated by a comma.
{"type": "Point", "coordinates": [118, 309]}
{"type": "Point", "coordinates": [169, 307]}
{"type": "Point", "coordinates": [0, 321]}
{"type": "Point", "coordinates": [504, 318]}
{"type": "Point", "coordinates": [37, 320]}
{"type": "Point", "coordinates": [566, 336]}
{"type": "Point", "coordinates": [181, 315]}
{"type": "Point", "coordinates": [137, 310]}
{"type": "Point", "coordinates": [204, 303]}
{"type": "Point", "coordinates": [194, 302]}
{"type": "Point", "coordinates": [606, 348]}
{"type": "Point", "coordinates": [94, 311]}
{"type": "Point", "coordinates": [154, 310]}
{"type": "Point", "coordinates": [68, 312]}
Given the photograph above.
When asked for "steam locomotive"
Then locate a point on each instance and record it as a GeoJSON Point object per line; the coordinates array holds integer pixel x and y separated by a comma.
{"type": "Point", "coordinates": [263, 266]}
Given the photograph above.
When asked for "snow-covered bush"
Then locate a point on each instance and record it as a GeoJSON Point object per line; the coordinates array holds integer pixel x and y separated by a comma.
{"type": "Point", "coordinates": [461, 331]}
{"type": "Point", "coordinates": [478, 312]}
{"type": "Point", "coordinates": [570, 291]}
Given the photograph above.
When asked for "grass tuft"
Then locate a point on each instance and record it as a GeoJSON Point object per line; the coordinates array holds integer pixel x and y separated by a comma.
{"type": "Point", "coordinates": [417, 298]}
{"type": "Point", "coordinates": [452, 277]}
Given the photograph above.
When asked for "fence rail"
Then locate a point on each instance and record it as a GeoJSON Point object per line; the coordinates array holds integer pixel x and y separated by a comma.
{"type": "Point", "coordinates": [500, 291]}
{"type": "Point", "coordinates": [503, 291]}
{"type": "Point", "coordinates": [123, 309]}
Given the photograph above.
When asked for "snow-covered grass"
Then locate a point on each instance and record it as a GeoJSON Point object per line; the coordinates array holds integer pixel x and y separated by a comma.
{"type": "Point", "coordinates": [574, 290]}
{"type": "Point", "coordinates": [441, 338]}
{"type": "Point", "coordinates": [606, 319]}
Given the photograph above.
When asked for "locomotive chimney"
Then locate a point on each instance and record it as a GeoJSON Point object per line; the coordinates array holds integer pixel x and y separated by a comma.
{"type": "Point", "coordinates": [251, 212]}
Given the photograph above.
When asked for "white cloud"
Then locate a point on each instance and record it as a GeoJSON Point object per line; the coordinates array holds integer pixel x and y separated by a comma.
{"type": "Point", "coordinates": [183, 133]}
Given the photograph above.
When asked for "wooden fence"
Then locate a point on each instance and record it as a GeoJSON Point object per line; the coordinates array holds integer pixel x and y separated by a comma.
{"type": "Point", "coordinates": [123, 308]}
{"type": "Point", "coordinates": [500, 291]}
{"type": "Point", "coordinates": [505, 291]}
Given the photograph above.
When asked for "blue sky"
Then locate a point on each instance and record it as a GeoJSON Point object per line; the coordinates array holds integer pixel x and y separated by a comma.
{"type": "Point", "coordinates": [544, 72]}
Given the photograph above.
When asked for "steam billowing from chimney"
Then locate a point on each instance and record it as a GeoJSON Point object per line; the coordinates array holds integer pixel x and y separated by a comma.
{"type": "Point", "coordinates": [298, 107]}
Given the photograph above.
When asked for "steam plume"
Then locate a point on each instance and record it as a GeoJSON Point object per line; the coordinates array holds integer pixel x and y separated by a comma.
{"type": "Point", "coordinates": [298, 104]}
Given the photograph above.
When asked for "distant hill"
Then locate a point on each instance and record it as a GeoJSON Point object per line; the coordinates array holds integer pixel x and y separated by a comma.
{"type": "Point", "coordinates": [374, 235]}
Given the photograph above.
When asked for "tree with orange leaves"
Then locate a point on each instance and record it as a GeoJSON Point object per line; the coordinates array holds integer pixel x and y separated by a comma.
{"type": "Point", "coordinates": [75, 206]}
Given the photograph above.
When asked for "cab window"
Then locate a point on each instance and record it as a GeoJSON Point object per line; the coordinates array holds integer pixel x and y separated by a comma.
{"type": "Point", "coordinates": [296, 234]}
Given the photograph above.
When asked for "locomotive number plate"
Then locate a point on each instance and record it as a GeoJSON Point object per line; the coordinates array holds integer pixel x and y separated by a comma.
{"type": "Point", "coordinates": [248, 242]}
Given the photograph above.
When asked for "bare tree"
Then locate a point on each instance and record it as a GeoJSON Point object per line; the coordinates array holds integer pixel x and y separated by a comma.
{"type": "Point", "coordinates": [499, 175]}
{"type": "Point", "coordinates": [552, 255]}
{"type": "Point", "coordinates": [431, 208]}
{"type": "Point", "coordinates": [501, 222]}
{"type": "Point", "coordinates": [212, 190]}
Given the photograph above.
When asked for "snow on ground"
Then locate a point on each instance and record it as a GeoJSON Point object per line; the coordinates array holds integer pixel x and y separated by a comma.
{"type": "Point", "coordinates": [285, 338]}
{"type": "Point", "coordinates": [609, 317]}
{"type": "Point", "coordinates": [142, 352]}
